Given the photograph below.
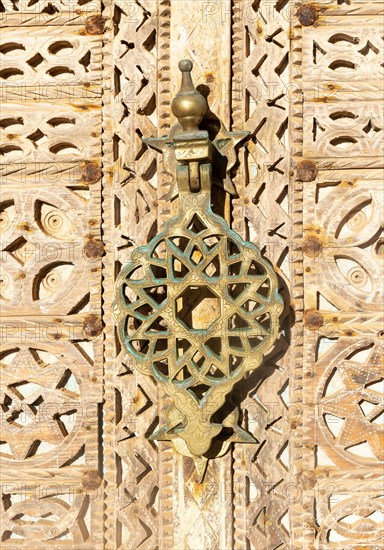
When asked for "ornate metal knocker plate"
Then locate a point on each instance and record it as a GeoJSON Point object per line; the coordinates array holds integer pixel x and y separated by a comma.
{"type": "Point", "coordinates": [197, 308]}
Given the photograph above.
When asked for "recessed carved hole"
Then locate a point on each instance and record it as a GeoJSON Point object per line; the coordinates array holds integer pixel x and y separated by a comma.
{"type": "Point", "coordinates": [281, 67]}
{"type": "Point", "coordinates": [235, 290]}
{"type": "Point", "coordinates": [19, 250]}
{"type": "Point", "coordinates": [342, 64]}
{"type": "Point", "coordinates": [157, 293]}
{"type": "Point", "coordinates": [11, 151]}
{"type": "Point", "coordinates": [33, 448]}
{"type": "Point", "coordinates": [140, 346]}
{"type": "Point", "coordinates": [11, 73]}
{"type": "Point", "coordinates": [360, 355]}
{"type": "Point", "coordinates": [342, 37]}
{"type": "Point", "coordinates": [145, 310]}
{"type": "Point", "coordinates": [143, 82]}
{"type": "Point", "coordinates": [63, 47]}
{"type": "Point", "coordinates": [137, 273]}
{"type": "Point", "coordinates": [234, 363]}
{"type": "Point", "coordinates": [316, 126]}
{"type": "Point", "coordinates": [213, 268]}
{"type": "Point", "coordinates": [362, 449]}
{"type": "Point", "coordinates": [86, 60]}
{"type": "Point", "coordinates": [64, 149]}
{"type": "Point", "coordinates": [60, 72]}
{"type": "Point", "coordinates": [197, 308]}
{"type": "Point", "coordinates": [196, 255]}
{"type": "Point", "coordinates": [5, 219]}
{"type": "Point", "coordinates": [10, 47]}
{"type": "Point", "coordinates": [342, 114]}
{"type": "Point", "coordinates": [255, 341]}
{"type": "Point", "coordinates": [214, 345]}
{"type": "Point", "coordinates": [51, 279]}
{"type": "Point", "coordinates": [50, 9]}
{"type": "Point", "coordinates": [198, 359]}
{"type": "Point", "coordinates": [162, 368]}
{"type": "Point", "coordinates": [355, 220]}
{"type": "Point", "coordinates": [215, 373]}
{"type": "Point", "coordinates": [158, 271]}
{"type": "Point", "coordinates": [68, 384]}
{"type": "Point", "coordinates": [130, 294]}
{"type": "Point", "coordinates": [236, 321]}
{"type": "Point", "coordinates": [182, 346]}
{"type": "Point", "coordinates": [161, 344]}
{"type": "Point", "coordinates": [200, 391]}
{"type": "Point", "coordinates": [63, 122]}
{"type": "Point", "coordinates": [160, 250]}
{"type": "Point", "coordinates": [132, 325]}
{"type": "Point", "coordinates": [232, 248]}
{"type": "Point", "coordinates": [8, 355]}
{"type": "Point", "coordinates": [211, 241]}
{"type": "Point", "coordinates": [35, 61]}
{"type": "Point", "coordinates": [150, 42]}
{"type": "Point", "coordinates": [35, 405]}
{"type": "Point", "coordinates": [379, 248]}
{"type": "Point", "coordinates": [369, 47]}
{"type": "Point", "coordinates": [334, 423]}
{"type": "Point", "coordinates": [149, 107]}
{"type": "Point", "coordinates": [370, 127]}
{"type": "Point", "coordinates": [234, 269]}
{"type": "Point", "coordinates": [235, 342]}
{"type": "Point", "coordinates": [180, 242]}
{"type": "Point", "coordinates": [158, 325]}
{"type": "Point", "coordinates": [367, 406]}
{"type": "Point", "coordinates": [196, 225]}
{"type": "Point", "coordinates": [6, 122]}
{"type": "Point", "coordinates": [265, 322]}
{"type": "Point", "coordinates": [36, 136]}
{"type": "Point", "coordinates": [250, 305]}
{"type": "Point", "coordinates": [64, 421]}
{"type": "Point", "coordinates": [256, 269]}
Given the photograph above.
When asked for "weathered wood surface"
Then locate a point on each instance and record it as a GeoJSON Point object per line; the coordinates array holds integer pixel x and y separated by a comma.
{"type": "Point", "coordinates": [51, 341]}
{"type": "Point", "coordinates": [79, 88]}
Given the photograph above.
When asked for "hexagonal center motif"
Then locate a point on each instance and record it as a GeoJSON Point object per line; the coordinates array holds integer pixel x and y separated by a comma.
{"type": "Point", "coordinates": [198, 308]}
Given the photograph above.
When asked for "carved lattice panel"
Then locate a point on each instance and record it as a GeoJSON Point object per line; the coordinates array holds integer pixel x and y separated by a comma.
{"type": "Point", "coordinates": [342, 401]}
{"type": "Point", "coordinates": [51, 350]}
{"type": "Point", "coordinates": [130, 218]}
{"type": "Point", "coordinates": [309, 92]}
{"type": "Point", "coordinates": [261, 98]}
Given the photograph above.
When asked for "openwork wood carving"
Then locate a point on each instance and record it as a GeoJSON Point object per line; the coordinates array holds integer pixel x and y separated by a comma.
{"type": "Point", "coordinates": [197, 307]}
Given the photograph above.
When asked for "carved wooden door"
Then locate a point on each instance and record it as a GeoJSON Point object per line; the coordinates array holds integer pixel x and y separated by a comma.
{"type": "Point", "coordinates": [81, 83]}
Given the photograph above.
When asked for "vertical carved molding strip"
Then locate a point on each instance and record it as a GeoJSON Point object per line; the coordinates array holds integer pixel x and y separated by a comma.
{"type": "Point", "coordinates": [197, 307]}
{"type": "Point", "coordinates": [261, 101]}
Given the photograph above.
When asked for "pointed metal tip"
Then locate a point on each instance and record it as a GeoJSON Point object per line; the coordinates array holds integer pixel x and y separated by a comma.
{"type": "Point", "coordinates": [201, 464]}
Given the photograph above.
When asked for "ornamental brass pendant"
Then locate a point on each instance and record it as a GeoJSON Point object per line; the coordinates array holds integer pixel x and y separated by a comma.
{"type": "Point", "coordinates": [197, 308]}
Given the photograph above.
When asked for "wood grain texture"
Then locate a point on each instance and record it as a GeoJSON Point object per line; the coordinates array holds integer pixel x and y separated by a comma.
{"type": "Point", "coordinates": [51, 346]}
{"type": "Point", "coordinates": [79, 191]}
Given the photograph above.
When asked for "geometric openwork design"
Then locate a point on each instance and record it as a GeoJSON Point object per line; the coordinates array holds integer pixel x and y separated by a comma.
{"type": "Point", "coordinates": [198, 308]}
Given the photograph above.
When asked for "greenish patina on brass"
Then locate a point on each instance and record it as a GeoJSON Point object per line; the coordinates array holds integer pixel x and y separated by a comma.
{"type": "Point", "coordinates": [197, 307]}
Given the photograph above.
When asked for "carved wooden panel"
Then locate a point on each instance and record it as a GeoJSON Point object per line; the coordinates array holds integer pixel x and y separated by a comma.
{"type": "Point", "coordinates": [51, 349]}
{"type": "Point", "coordinates": [342, 398]}
{"type": "Point", "coordinates": [79, 89]}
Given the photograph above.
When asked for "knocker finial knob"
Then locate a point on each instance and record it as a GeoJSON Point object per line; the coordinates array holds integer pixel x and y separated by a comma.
{"type": "Point", "coordinates": [188, 106]}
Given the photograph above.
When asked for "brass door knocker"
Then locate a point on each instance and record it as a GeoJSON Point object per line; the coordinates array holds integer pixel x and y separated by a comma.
{"type": "Point", "coordinates": [197, 307]}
